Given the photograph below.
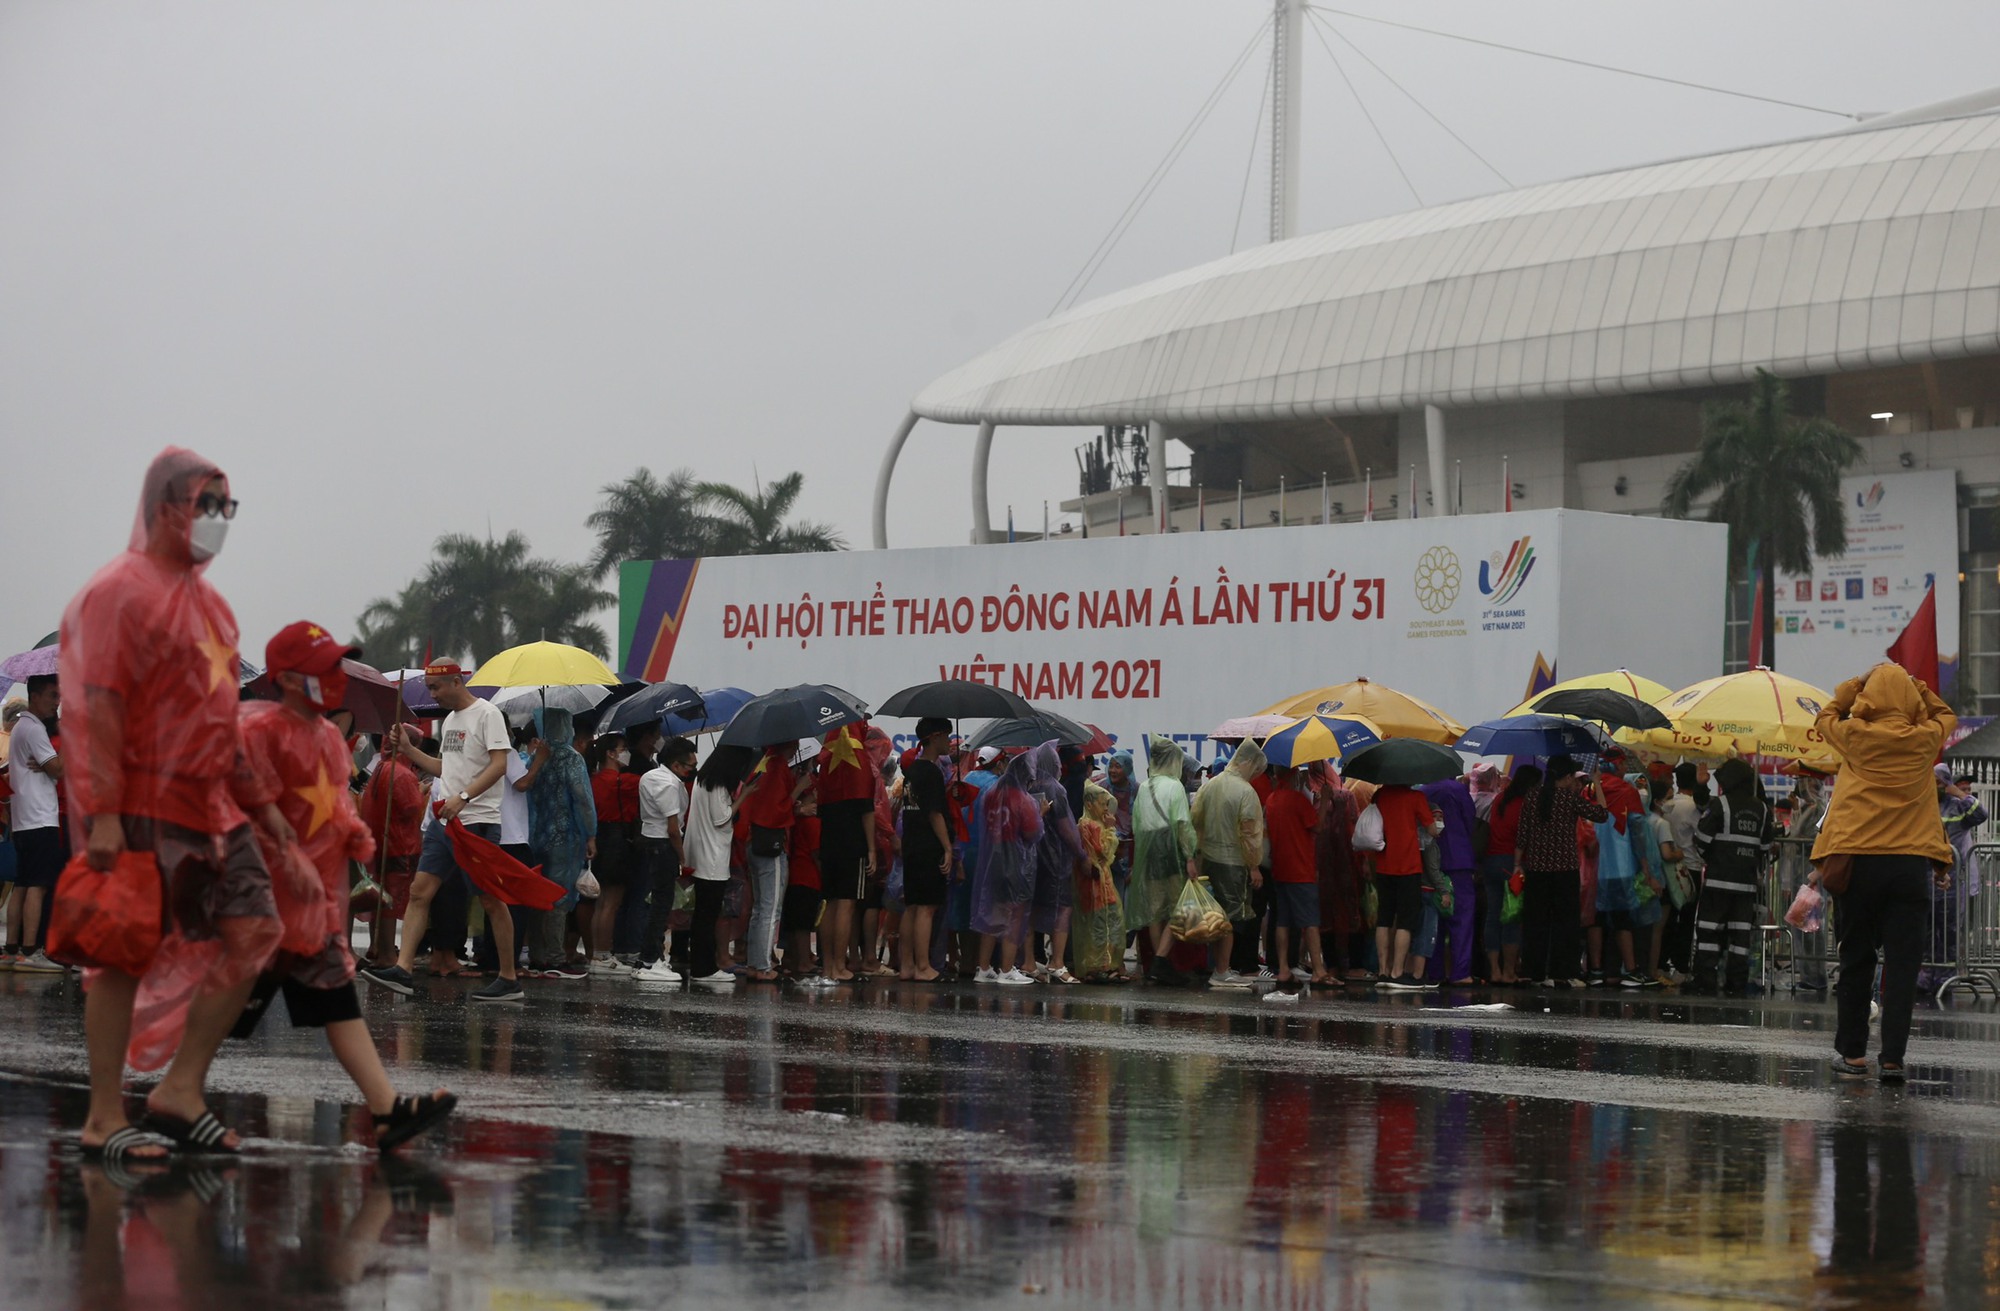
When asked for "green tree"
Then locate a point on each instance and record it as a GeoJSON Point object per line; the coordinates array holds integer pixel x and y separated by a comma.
{"type": "Point", "coordinates": [479, 596]}
{"type": "Point", "coordinates": [648, 518]}
{"type": "Point", "coordinates": [1776, 480]}
{"type": "Point", "coordinates": [753, 522]}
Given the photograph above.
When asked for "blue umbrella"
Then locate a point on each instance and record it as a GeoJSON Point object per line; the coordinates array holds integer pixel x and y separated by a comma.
{"type": "Point", "coordinates": [1319, 737]}
{"type": "Point", "coordinates": [1535, 735]}
{"type": "Point", "coordinates": [718, 705]}
{"type": "Point", "coordinates": [649, 705]}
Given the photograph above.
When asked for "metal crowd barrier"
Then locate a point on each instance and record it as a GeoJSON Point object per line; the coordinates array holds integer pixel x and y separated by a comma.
{"type": "Point", "coordinates": [1961, 952]}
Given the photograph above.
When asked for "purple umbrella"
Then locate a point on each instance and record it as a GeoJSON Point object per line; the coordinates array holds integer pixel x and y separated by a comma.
{"type": "Point", "coordinates": [30, 664]}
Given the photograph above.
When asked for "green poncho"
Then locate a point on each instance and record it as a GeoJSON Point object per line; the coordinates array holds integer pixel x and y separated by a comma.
{"type": "Point", "coordinates": [1163, 838]}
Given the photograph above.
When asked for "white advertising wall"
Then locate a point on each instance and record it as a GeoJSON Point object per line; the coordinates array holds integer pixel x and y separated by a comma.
{"type": "Point", "coordinates": [1902, 531]}
{"type": "Point", "coordinates": [1173, 634]}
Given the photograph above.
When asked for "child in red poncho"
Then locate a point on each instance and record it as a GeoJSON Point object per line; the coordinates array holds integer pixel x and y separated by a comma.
{"type": "Point", "coordinates": [297, 761]}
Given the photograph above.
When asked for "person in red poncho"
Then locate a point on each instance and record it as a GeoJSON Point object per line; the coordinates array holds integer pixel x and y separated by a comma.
{"type": "Point", "coordinates": [149, 662]}
{"type": "Point", "coordinates": [393, 788]}
{"type": "Point", "coordinates": [296, 760]}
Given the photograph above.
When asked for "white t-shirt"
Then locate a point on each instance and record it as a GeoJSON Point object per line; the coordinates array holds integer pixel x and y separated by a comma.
{"type": "Point", "coordinates": [34, 803]}
{"type": "Point", "coordinates": [1681, 814]}
{"type": "Point", "coordinates": [513, 804]}
{"type": "Point", "coordinates": [466, 740]}
{"type": "Point", "coordinates": [711, 824]}
{"type": "Point", "coordinates": [662, 796]}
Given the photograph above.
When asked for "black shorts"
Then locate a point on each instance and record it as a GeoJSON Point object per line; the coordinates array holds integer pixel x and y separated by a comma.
{"type": "Point", "coordinates": [38, 857]}
{"type": "Point", "coordinates": [1399, 901]}
{"type": "Point", "coordinates": [843, 849]}
{"type": "Point", "coordinates": [310, 1008]}
{"type": "Point", "coordinates": [613, 863]}
{"type": "Point", "coordinates": [801, 910]}
{"type": "Point", "coordinates": [1294, 905]}
{"type": "Point", "coordinates": [924, 886]}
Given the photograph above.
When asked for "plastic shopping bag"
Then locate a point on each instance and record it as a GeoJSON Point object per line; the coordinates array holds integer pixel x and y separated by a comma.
{"type": "Point", "coordinates": [1368, 834]}
{"type": "Point", "coordinates": [1510, 908]}
{"type": "Point", "coordinates": [109, 919]}
{"type": "Point", "coordinates": [587, 885]}
{"type": "Point", "coordinates": [1197, 916]}
{"type": "Point", "coordinates": [1806, 910]}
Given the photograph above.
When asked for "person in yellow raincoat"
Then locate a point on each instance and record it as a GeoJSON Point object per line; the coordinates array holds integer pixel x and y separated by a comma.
{"type": "Point", "coordinates": [1888, 729]}
{"type": "Point", "coordinates": [1163, 848]}
{"type": "Point", "coordinates": [1228, 820]}
{"type": "Point", "coordinates": [1097, 923]}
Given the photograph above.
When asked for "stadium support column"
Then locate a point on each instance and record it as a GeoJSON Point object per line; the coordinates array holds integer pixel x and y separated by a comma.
{"type": "Point", "coordinates": [1434, 443]}
{"type": "Point", "coordinates": [885, 474]}
{"type": "Point", "coordinates": [1156, 472]}
{"type": "Point", "coordinates": [982, 456]}
{"type": "Point", "coordinates": [1286, 50]}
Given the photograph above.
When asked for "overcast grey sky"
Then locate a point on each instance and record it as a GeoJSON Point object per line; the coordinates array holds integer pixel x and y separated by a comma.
{"type": "Point", "coordinates": [415, 267]}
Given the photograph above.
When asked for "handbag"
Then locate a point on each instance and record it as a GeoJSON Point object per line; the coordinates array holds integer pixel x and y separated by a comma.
{"type": "Point", "coordinates": [1835, 872]}
{"type": "Point", "coordinates": [767, 842]}
{"type": "Point", "coordinates": [1368, 834]}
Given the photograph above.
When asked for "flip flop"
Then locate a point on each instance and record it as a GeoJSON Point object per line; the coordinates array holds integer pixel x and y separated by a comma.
{"type": "Point", "coordinates": [201, 1136]}
{"type": "Point", "coordinates": [409, 1117]}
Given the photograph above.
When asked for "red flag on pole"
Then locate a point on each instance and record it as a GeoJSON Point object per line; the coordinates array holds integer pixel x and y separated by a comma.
{"type": "Point", "coordinates": [493, 870]}
{"type": "Point", "coordinates": [1917, 649]}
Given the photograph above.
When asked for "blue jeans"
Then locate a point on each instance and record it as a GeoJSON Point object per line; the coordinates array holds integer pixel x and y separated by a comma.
{"type": "Point", "coordinates": [767, 883]}
{"type": "Point", "coordinates": [1495, 871]}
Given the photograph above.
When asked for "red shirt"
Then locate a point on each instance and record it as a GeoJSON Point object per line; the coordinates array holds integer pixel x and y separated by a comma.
{"type": "Point", "coordinates": [404, 797]}
{"type": "Point", "coordinates": [616, 795]}
{"type": "Point", "coordinates": [1503, 823]}
{"type": "Point", "coordinates": [768, 801]}
{"type": "Point", "coordinates": [804, 872]}
{"type": "Point", "coordinates": [301, 765]}
{"type": "Point", "coordinates": [1404, 811]}
{"type": "Point", "coordinates": [845, 771]}
{"type": "Point", "coordinates": [1293, 822]}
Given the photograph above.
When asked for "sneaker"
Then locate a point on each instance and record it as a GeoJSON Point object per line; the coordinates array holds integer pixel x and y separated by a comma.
{"type": "Point", "coordinates": [1015, 979]}
{"type": "Point", "coordinates": [393, 977]}
{"type": "Point", "coordinates": [1403, 983]}
{"type": "Point", "coordinates": [1889, 1071]}
{"type": "Point", "coordinates": [38, 963]}
{"type": "Point", "coordinates": [717, 979]}
{"type": "Point", "coordinates": [608, 965]}
{"type": "Point", "coordinates": [657, 972]}
{"type": "Point", "coordinates": [499, 990]}
{"type": "Point", "coordinates": [1430, 984]}
{"type": "Point", "coordinates": [1279, 994]}
{"type": "Point", "coordinates": [1631, 981]}
{"type": "Point", "coordinates": [987, 975]}
{"type": "Point", "coordinates": [817, 982]}
{"type": "Point", "coordinates": [1229, 979]}
{"type": "Point", "coordinates": [567, 971]}
{"type": "Point", "coordinates": [1594, 979]}
{"type": "Point", "coordinates": [1265, 976]}
{"type": "Point", "coordinates": [1846, 1069]}
{"type": "Point", "coordinates": [7, 959]}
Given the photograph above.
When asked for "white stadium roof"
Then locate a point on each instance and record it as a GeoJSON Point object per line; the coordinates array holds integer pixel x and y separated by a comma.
{"type": "Point", "coordinates": [1873, 246]}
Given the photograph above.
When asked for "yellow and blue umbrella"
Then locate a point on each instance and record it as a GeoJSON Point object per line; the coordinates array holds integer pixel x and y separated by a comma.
{"type": "Point", "coordinates": [1320, 737]}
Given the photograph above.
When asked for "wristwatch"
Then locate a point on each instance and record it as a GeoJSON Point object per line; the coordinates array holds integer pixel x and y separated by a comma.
{"type": "Point", "coordinates": [464, 796]}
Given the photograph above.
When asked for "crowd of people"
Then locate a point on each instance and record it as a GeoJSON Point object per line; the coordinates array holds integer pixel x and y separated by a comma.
{"type": "Point", "coordinates": [258, 832]}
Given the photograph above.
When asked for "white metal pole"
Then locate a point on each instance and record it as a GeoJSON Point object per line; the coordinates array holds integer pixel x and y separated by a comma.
{"type": "Point", "coordinates": [1288, 26]}
{"type": "Point", "coordinates": [1156, 471]}
{"type": "Point", "coordinates": [982, 458]}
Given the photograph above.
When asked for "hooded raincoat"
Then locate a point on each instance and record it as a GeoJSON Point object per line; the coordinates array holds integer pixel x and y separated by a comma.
{"type": "Point", "coordinates": [1097, 933]}
{"type": "Point", "coordinates": [1011, 834]}
{"type": "Point", "coordinates": [562, 813]}
{"type": "Point", "coordinates": [1163, 838]}
{"type": "Point", "coordinates": [1888, 729]}
{"type": "Point", "coordinates": [1229, 826]}
{"type": "Point", "coordinates": [1059, 854]}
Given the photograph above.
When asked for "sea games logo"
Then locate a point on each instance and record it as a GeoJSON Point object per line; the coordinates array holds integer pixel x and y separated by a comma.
{"type": "Point", "coordinates": [1501, 577]}
{"type": "Point", "coordinates": [1871, 498]}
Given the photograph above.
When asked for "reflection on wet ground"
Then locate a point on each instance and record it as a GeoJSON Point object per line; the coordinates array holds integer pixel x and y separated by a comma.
{"type": "Point", "coordinates": [901, 1146]}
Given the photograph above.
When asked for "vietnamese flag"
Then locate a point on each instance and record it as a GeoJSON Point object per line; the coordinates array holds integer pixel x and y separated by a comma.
{"type": "Point", "coordinates": [1917, 649]}
{"type": "Point", "coordinates": [494, 871]}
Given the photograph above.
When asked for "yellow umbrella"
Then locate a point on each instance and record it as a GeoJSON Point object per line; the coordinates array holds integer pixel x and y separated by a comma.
{"type": "Point", "coordinates": [543, 664]}
{"type": "Point", "coordinates": [1758, 712]}
{"type": "Point", "coordinates": [1396, 714]}
{"type": "Point", "coordinates": [1618, 680]}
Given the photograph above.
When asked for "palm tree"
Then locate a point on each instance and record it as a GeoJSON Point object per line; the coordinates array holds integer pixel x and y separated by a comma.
{"type": "Point", "coordinates": [647, 518]}
{"type": "Point", "coordinates": [481, 595]}
{"type": "Point", "coordinates": [1771, 470]}
{"type": "Point", "coordinates": [556, 604]}
{"type": "Point", "coordinates": [753, 522]}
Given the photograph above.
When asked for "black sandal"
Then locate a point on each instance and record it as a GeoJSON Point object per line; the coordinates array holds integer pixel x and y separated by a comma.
{"type": "Point", "coordinates": [202, 1136]}
{"type": "Point", "coordinates": [409, 1117]}
{"type": "Point", "coordinates": [114, 1156]}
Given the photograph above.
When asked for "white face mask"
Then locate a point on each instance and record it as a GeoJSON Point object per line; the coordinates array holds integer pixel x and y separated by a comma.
{"type": "Point", "coordinates": [623, 757]}
{"type": "Point", "coordinates": [207, 536]}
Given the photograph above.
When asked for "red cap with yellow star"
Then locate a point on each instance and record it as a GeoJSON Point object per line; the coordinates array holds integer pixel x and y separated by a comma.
{"type": "Point", "coordinates": [306, 648]}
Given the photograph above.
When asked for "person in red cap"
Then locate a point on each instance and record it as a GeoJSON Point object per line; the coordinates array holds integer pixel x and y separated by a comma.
{"type": "Point", "coordinates": [149, 661]}
{"type": "Point", "coordinates": [471, 762]}
{"type": "Point", "coordinates": [297, 760]}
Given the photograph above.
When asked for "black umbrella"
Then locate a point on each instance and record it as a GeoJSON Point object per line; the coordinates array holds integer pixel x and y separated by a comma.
{"type": "Point", "coordinates": [956, 698]}
{"type": "Point", "coordinates": [1605, 705]}
{"type": "Point", "coordinates": [651, 705]}
{"type": "Point", "coordinates": [1032, 731]}
{"type": "Point", "coordinates": [790, 713]}
{"type": "Point", "coordinates": [1403, 760]}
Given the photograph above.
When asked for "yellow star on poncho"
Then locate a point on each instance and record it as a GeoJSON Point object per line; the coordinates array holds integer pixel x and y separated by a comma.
{"type": "Point", "coordinates": [844, 750]}
{"type": "Point", "coordinates": [324, 798]}
{"type": "Point", "coordinates": [221, 658]}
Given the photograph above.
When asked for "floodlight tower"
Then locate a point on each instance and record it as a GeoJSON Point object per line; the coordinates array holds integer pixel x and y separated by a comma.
{"type": "Point", "coordinates": [1287, 27]}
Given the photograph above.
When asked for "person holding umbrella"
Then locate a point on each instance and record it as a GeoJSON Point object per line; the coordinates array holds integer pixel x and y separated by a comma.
{"type": "Point", "coordinates": [927, 848]}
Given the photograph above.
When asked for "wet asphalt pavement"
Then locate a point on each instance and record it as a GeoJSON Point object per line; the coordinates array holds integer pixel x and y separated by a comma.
{"type": "Point", "coordinates": [909, 1145]}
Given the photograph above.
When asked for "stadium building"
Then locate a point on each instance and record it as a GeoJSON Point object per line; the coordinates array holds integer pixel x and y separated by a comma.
{"type": "Point", "coordinates": [1557, 343]}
